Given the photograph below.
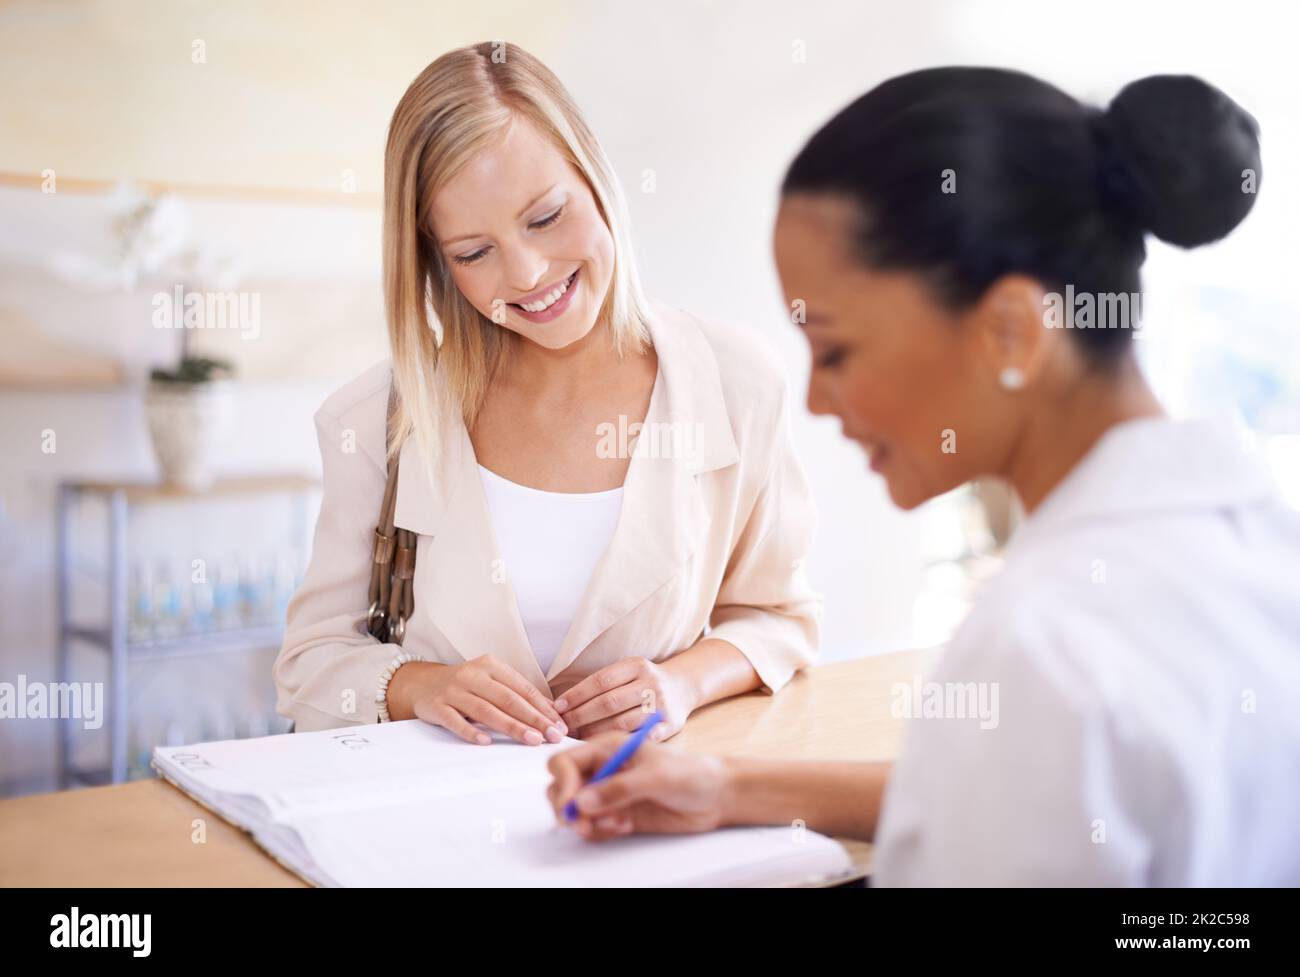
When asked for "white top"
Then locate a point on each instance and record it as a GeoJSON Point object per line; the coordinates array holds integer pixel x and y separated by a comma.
{"type": "Point", "coordinates": [550, 543]}
{"type": "Point", "coordinates": [1136, 671]}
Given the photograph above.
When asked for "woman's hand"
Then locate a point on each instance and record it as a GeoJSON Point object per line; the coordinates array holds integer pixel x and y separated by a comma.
{"type": "Point", "coordinates": [618, 697]}
{"type": "Point", "coordinates": [483, 690]}
{"type": "Point", "coordinates": [660, 790]}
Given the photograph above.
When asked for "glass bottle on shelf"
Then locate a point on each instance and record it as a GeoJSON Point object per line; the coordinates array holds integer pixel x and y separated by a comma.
{"type": "Point", "coordinates": [176, 732]}
{"type": "Point", "coordinates": [202, 600]}
{"type": "Point", "coordinates": [218, 724]}
{"type": "Point", "coordinates": [225, 596]}
{"type": "Point", "coordinates": [251, 586]}
{"type": "Point", "coordinates": [255, 724]}
{"type": "Point", "coordinates": [166, 604]}
{"type": "Point", "coordinates": [140, 597]}
{"type": "Point", "coordinates": [286, 582]}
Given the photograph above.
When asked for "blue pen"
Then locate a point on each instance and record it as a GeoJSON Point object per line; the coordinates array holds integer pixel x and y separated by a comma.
{"type": "Point", "coordinates": [614, 763]}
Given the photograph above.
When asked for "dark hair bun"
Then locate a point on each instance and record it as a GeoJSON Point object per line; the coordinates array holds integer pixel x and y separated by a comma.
{"type": "Point", "coordinates": [1183, 146]}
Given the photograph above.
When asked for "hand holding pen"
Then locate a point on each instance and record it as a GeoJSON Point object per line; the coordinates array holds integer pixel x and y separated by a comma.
{"type": "Point", "coordinates": [616, 785]}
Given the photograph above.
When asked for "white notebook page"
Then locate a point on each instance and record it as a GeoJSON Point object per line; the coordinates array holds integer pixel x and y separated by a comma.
{"type": "Point", "coordinates": [409, 804]}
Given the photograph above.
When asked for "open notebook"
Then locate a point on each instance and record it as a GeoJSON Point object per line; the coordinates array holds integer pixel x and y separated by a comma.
{"type": "Point", "coordinates": [408, 804]}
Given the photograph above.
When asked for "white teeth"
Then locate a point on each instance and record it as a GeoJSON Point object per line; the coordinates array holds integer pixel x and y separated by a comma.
{"type": "Point", "coordinates": [542, 304]}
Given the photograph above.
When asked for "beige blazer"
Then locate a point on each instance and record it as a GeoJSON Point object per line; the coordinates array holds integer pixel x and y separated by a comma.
{"type": "Point", "coordinates": [712, 536]}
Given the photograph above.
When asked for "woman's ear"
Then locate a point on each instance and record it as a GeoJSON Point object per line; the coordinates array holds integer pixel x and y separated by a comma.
{"type": "Point", "coordinates": [1011, 334]}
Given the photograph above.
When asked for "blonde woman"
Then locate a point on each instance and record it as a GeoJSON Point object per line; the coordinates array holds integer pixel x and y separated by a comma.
{"type": "Point", "coordinates": [570, 571]}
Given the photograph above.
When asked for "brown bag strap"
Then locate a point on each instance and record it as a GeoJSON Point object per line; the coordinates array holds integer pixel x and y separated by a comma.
{"type": "Point", "coordinates": [392, 569]}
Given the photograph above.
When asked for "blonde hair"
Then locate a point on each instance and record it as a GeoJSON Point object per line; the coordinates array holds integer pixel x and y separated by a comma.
{"type": "Point", "coordinates": [457, 106]}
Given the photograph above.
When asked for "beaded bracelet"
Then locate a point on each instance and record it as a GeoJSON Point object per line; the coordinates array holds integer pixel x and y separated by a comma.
{"type": "Point", "coordinates": [386, 676]}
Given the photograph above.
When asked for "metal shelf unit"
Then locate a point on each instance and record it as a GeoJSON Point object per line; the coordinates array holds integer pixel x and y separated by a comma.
{"type": "Point", "coordinates": [112, 638]}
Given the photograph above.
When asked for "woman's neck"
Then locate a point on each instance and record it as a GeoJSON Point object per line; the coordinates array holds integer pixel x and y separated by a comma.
{"type": "Point", "coordinates": [1064, 429]}
{"type": "Point", "coordinates": [545, 373]}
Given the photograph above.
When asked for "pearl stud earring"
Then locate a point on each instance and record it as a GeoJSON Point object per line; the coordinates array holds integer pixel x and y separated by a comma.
{"type": "Point", "coordinates": [1011, 378]}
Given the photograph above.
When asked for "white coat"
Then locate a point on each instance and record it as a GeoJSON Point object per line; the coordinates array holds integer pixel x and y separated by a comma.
{"type": "Point", "coordinates": [1141, 648]}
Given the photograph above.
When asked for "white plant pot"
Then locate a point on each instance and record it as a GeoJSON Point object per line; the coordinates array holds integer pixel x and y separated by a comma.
{"type": "Point", "coordinates": [189, 423]}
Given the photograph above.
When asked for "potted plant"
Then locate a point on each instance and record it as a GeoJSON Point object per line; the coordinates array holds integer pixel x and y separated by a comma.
{"type": "Point", "coordinates": [189, 410]}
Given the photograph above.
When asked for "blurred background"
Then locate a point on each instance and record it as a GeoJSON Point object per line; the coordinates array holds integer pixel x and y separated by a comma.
{"type": "Point", "coordinates": [159, 484]}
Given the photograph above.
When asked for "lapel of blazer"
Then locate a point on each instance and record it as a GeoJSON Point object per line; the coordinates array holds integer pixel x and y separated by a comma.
{"type": "Point", "coordinates": [687, 431]}
{"type": "Point", "coordinates": [467, 594]}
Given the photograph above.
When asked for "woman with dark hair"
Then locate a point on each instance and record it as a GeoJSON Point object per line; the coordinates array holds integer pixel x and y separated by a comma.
{"type": "Point", "coordinates": [1140, 649]}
